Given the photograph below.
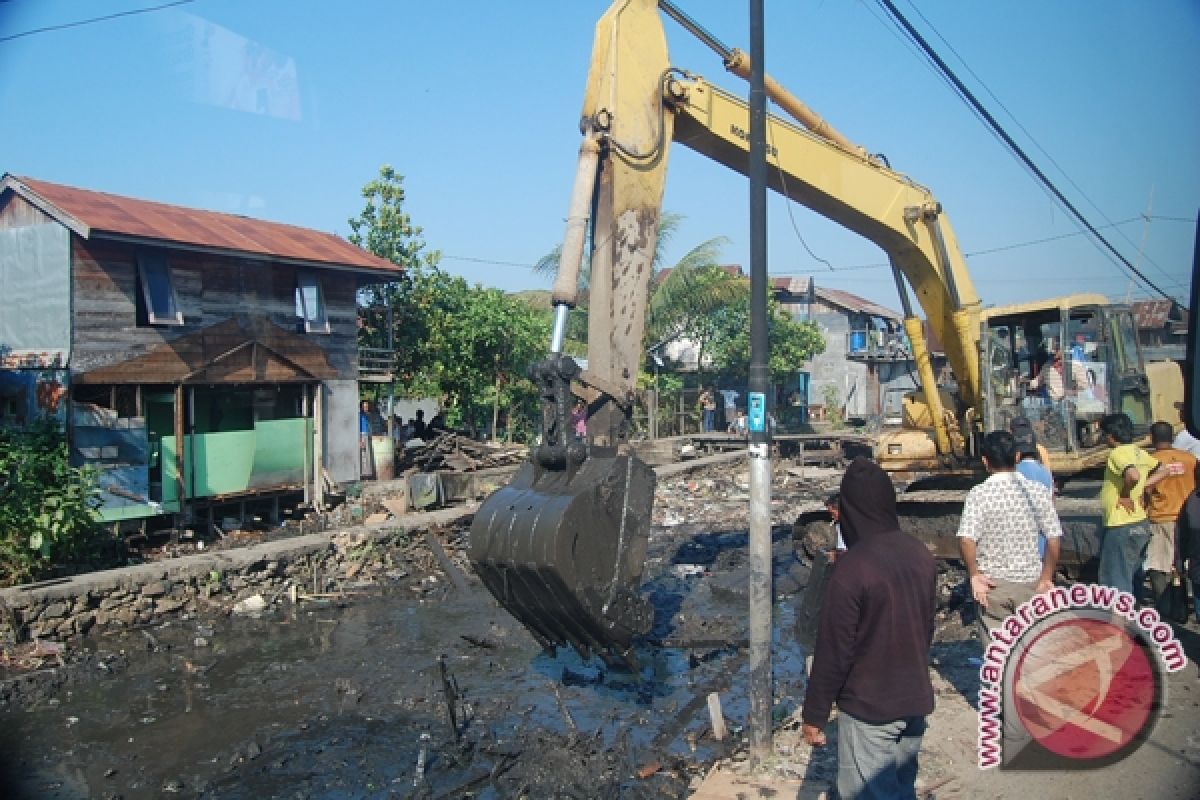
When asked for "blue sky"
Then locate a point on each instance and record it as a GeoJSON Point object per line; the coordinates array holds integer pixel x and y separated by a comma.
{"type": "Point", "coordinates": [283, 109]}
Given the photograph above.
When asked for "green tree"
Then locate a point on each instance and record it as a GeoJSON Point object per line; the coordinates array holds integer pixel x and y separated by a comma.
{"type": "Point", "coordinates": [466, 345]}
{"type": "Point", "coordinates": [482, 354]}
{"type": "Point", "coordinates": [693, 287]}
{"type": "Point", "coordinates": [415, 299]}
{"type": "Point", "coordinates": [792, 343]}
{"type": "Point", "coordinates": [385, 228]}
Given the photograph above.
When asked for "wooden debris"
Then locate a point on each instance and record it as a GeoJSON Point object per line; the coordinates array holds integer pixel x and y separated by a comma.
{"type": "Point", "coordinates": [455, 453]}
{"type": "Point", "coordinates": [566, 714]}
{"type": "Point", "coordinates": [485, 644]}
{"type": "Point", "coordinates": [456, 576]}
{"type": "Point", "coordinates": [450, 692]}
{"type": "Point", "coordinates": [398, 505]}
{"type": "Point", "coordinates": [717, 717]}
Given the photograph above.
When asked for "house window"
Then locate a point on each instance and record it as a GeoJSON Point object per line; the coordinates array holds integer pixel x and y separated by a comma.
{"type": "Point", "coordinates": [310, 303]}
{"type": "Point", "coordinates": [156, 300]}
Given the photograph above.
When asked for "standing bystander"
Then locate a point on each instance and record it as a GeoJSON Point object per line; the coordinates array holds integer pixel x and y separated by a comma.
{"type": "Point", "coordinates": [366, 425]}
{"type": "Point", "coordinates": [998, 535]}
{"type": "Point", "coordinates": [1033, 462]}
{"type": "Point", "coordinates": [1187, 542]}
{"type": "Point", "coordinates": [579, 420]}
{"type": "Point", "coordinates": [1128, 475]}
{"type": "Point", "coordinates": [835, 526]}
{"type": "Point", "coordinates": [876, 620]}
{"type": "Point", "coordinates": [1165, 500]}
{"type": "Point", "coordinates": [1186, 442]}
{"type": "Point", "coordinates": [708, 407]}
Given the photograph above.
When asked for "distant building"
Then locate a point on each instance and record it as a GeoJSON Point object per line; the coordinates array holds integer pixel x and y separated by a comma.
{"type": "Point", "coordinates": [1162, 329]}
{"type": "Point", "coordinates": [867, 365]}
{"type": "Point", "coordinates": [192, 357]}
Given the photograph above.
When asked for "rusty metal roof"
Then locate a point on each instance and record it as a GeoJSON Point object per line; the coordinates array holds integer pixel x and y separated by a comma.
{"type": "Point", "coordinates": [1151, 313]}
{"type": "Point", "coordinates": [100, 215]}
{"type": "Point", "coordinates": [798, 287]}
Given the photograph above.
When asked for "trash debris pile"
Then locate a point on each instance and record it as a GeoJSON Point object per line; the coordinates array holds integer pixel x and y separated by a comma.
{"type": "Point", "coordinates": [719, 496]}
{"type": "Point", "coordinates": [450, 451]}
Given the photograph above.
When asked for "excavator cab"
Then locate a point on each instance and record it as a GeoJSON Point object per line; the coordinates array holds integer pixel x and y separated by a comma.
{"type": "Point", "coordinates": [1064, 364]}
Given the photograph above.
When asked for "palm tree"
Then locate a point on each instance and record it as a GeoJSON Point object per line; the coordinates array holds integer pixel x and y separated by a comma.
{"type": "Point", "coordinates": [695, 286]}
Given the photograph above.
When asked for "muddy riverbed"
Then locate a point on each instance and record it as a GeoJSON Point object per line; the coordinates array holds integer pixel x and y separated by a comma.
{"type": "Point", "coordinates": [408, 687]}
{"type": "Point", "coordinates": [415, 689]}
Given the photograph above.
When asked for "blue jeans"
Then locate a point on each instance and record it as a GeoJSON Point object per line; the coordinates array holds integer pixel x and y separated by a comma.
{"type": "Point", "coordinates": [878, 760]}
{"type": "Point", "coordinates": [1121, 554]}
{"type": "Point", "coordinates": [710, 415]}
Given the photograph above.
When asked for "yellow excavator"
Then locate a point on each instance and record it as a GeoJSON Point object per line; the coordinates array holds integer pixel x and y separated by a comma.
{"type": "Point", "coordinates": [562, 546]}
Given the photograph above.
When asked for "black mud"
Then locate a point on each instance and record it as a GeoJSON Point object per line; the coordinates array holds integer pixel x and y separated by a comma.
{"type": "Point", "coordinates": [412, 690]}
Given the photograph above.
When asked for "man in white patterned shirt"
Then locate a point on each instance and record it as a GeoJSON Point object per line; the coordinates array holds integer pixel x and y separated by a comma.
{"type": "Point", "coordinates": [998, 535]}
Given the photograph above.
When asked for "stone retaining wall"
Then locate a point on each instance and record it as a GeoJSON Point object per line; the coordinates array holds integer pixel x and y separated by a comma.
{"type": "Point", "coordinates": [215, 581]}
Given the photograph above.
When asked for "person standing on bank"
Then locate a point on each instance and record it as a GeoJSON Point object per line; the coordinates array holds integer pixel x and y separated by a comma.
{"type": "Point", "coordinates": [1128, 475]}
{"type": "Point", "coordinates": [873, 638]}
{"type": "Point", "coordinates": [998, 535]}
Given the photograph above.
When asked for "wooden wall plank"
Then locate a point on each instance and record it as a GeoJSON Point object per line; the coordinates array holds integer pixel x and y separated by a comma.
{"type": "Point", "coordinates": [211, 290]}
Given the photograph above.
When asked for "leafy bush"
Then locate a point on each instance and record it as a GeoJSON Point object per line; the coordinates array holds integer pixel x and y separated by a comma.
{"type": "Point", "coordinates": [47, 520]}
{"type": "Point", "coordinates": [834, 411]}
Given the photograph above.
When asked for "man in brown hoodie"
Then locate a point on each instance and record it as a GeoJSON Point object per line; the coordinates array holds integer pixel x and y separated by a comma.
{"type": "Point", "coordinates": [872, 651]}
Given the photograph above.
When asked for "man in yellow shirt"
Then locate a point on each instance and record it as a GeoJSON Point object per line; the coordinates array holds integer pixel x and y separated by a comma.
{"type": "Point", "coordinates": [1163, 504]}
{"type": "Point", "coordinates": [1129, 473]}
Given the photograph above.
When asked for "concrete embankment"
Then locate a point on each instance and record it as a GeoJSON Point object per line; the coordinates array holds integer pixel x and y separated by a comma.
{"type": "Point", "coordinates": [212, 581]}
{"type": "Point", "coordinates": [216, 581]}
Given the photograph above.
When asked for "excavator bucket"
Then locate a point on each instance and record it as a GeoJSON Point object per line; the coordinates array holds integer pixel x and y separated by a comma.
{"type": "Point", "coordinates": [562, 549]}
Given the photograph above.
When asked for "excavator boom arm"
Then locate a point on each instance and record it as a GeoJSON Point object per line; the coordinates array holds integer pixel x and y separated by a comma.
{"type": "Point", "coordinates": [881, 205]}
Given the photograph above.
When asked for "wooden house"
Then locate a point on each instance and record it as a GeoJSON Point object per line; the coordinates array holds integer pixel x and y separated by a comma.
{"type": "Point", "coordinates": [192, 357]}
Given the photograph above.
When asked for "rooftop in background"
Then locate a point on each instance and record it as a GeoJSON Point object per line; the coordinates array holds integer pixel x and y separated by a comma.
{"type": "Point", "coordinates": [1158, 314]}
{"type": "Point", "coordinates": [92, 214]}
{"type": "Point", "coordinates": [797, 288]}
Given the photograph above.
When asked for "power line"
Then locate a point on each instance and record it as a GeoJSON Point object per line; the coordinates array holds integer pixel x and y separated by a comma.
{"type": "Point", "coordinates": [487, 261]}
{"type": "Point", "coordinates": [1016, 149]}
{"type": "Point", "coordinates": [105, 18]}
{"type": "Point", "coordinates": [873, 265]}
{"type": "Point", "coordinates": [1029, 135]}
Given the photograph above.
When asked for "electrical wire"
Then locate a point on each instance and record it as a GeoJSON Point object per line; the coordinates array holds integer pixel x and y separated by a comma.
{"type": "Point", "coordinates": [105, 18]}
{"type": "Point", "coordinates": [795, 227]}
{"type": "Point", "coordinates": [875, 265]}
{"type": "Point", "coordinates": [1029, 135]}
{"type": "Point", "coordinates": [965, 94]}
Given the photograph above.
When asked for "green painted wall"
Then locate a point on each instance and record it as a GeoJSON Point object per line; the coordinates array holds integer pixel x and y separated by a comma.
{"type": "Point", "coordinates": [272, 454]}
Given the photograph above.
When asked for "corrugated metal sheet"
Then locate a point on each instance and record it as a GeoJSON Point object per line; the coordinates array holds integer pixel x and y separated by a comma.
{"type": "Point", "coordinates": [1151, 313]}
{"type": "Point", "coordinates": [798, 288]}
{"type": "Point", "coordinates": [108, 215]}
{"type": "Point", "coordinates": [853, 302]}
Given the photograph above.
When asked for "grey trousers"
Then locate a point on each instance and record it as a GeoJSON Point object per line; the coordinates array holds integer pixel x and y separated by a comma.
{"type": "Point", "coordinates": [1003, 599]}
{"type": "Point", "coordinates": [878, 760]}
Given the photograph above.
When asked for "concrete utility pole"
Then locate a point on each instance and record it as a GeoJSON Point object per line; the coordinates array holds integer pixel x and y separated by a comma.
{"type": "Point", "coordinates": [761, 690]}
